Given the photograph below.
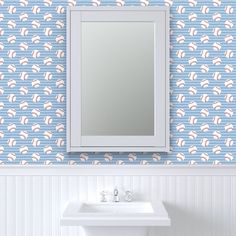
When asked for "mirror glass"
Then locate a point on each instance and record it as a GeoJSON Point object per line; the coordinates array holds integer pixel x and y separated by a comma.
{"type": "Point", "coordinates": [117, 78]}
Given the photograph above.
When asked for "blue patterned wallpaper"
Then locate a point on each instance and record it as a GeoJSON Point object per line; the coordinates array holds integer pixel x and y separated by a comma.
{"type": "Point", "coordinates": [33, 80]}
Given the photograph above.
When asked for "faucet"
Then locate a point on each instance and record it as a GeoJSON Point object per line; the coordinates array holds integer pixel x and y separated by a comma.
{"type": "Point", "coordinates": [116, 195]}
{"type": "Point", "coordinates": [103, 196]}
{"type": "Point", "coordinates": [128, 196]}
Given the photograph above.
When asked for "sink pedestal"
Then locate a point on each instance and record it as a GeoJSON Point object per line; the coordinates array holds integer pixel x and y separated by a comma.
{"type": "Point", "coordinates": [114, 231]}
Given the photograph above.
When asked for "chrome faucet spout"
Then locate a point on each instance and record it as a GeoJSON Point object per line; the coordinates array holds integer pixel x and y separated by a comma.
{"type": "Point", "coordinates": [116, 195]}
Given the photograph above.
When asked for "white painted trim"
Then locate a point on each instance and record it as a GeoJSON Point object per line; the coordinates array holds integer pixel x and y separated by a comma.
{"type": "Point", "coordinates": [114, 170]}
{"type": "Point", "coordinates": [125, 8]}
{"type": "Point", "coordinates": [68, 82]}
{"type": "Point", "coordinates": [119, 149]}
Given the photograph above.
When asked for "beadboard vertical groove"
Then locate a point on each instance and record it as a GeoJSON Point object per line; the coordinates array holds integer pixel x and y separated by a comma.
{"type": "Point", "coordinates": [233, 205]}
{"type": "Point", "coordinates": [197, 204]}
{"type": "Point", "coordinates": [3, 199]}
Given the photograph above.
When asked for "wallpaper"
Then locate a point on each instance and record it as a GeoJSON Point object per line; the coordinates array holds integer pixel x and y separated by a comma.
{"type": "Point", "coordinates": [33, 84]}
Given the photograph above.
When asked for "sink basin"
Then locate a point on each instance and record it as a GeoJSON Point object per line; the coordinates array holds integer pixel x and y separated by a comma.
{"type": "Point", "coordinates": [117, 208]}
{"type": "Point", "coordinates": [115, 214]}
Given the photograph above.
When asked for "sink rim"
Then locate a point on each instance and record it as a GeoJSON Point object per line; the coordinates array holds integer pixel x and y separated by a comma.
{"type": "Point", "coordinates": [72, 217]}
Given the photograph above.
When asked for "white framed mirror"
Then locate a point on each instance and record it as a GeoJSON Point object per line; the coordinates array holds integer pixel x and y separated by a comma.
{"type": "Point", "coordinates": [117, 79]}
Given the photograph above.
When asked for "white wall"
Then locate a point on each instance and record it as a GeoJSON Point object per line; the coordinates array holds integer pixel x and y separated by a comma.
{"type": "Point", "coordinates": [200, 201]}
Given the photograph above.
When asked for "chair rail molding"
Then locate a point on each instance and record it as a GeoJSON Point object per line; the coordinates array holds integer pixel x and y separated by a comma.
{"type": "Point", "coordinates": [113, 170]}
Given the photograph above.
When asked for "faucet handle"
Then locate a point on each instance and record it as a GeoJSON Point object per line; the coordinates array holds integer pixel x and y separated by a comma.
{"type": "Point", "coordinates": [103, 195]}
{"type": "Point", "coordinates": [128, 196]}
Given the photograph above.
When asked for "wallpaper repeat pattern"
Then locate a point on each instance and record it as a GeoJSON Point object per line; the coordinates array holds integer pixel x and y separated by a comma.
{"type": "Point", "coordinates": [33, 80]}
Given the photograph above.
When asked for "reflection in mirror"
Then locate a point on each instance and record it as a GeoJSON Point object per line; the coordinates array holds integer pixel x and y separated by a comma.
{"type": "Point", "coordinates": [117, 78]}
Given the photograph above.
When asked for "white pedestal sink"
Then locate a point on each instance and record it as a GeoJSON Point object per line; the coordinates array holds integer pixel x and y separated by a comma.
{"type": "Point", "coordinates": [115, 218]}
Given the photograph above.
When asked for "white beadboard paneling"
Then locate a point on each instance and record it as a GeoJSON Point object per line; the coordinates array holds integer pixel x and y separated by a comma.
{"type": "Point", "coordinates": [198, 204]}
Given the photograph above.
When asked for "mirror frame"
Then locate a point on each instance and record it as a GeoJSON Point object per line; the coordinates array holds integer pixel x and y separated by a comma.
{"type": "Point", "coordinates": [160, 140]}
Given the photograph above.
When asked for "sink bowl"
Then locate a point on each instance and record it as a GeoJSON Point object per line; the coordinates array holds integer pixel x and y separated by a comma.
{"type": "Point", "coordinates": [115, 214]}
{"type": "Point", "coordinates": [117, 208]}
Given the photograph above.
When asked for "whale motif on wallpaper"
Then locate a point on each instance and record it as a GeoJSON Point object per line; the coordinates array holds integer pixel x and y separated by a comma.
{"type": "Point", "coordinates": [33, 72]}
